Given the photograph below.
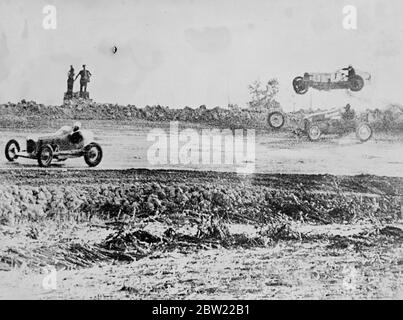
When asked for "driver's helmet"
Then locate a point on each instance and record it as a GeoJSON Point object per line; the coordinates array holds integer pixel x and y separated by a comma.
{"type": "Point", "coordinates": [76, 126]}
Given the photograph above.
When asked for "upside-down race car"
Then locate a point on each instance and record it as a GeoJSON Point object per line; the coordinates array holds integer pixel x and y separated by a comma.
{"type": "Point", "coordinates": [67, 142]}
{"type": "Point", "coordinates": [341, 121]}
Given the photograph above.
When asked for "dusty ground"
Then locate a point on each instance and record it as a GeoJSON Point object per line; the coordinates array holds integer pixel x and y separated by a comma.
{"type": "Point", "coordinates": [285, 271]}
{"type": "Point", "coordinates": [324, 261]}
{"type": "Point", "coordinates": [280, 152]}
{"type": "Point", "coordinates": [327, 261]}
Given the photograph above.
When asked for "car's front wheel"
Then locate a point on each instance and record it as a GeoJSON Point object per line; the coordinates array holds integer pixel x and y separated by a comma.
{"type": "Point", "coordinates": [356, 83]}
{"type": "Point", "coordinates": [299, 85]}
{"type": "Point", "coordinates": [93, 154]}
{"type": "Point", "coordinates": [11, 151]}
{"type": "Point", "coordinates": [45, 156]}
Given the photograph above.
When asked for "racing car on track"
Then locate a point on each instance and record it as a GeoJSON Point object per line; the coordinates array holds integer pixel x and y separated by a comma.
{"type": "Point", "coordinates": [341, 121]}
{"type": "Point", "coordinates": [353, 81]}
{"type": "Point", "coordinates": [67, 142]}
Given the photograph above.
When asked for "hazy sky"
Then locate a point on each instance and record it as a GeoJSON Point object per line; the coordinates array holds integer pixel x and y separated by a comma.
{"type": "Point", "coordinates": [188, 52]}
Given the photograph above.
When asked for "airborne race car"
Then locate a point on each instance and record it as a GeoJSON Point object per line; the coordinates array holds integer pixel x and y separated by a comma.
{"type": "Point", "coordinates": [337, 121]}
{"type": "Point", "coordinates": [66, 143]}
{"type": "Point", "coordinates": [330, 81]}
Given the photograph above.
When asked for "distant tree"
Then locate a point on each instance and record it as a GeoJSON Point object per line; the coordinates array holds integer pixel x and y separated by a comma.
{"type": "Point", "coordinates": [232, 106]}
{"type": "Point", "coordinates": [263, 96]}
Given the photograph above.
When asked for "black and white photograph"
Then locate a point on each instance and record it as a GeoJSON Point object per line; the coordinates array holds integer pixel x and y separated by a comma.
{"type": "Point", "coordinates": [189, 150]}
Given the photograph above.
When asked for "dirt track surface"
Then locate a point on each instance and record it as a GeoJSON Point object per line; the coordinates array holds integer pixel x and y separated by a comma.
{"type": "Point", "coordinates": [337, 260]}
{"type": "Point", "coordinates": [276, 152]}
{"type": "Point", "coordinates": [286, 271]}
{"type": "Point", "coordinates": [355, 253]}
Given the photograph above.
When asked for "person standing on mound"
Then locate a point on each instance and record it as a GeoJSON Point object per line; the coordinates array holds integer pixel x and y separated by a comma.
{"type": "Point", "coordinates": [85, 76]}
{"type": "Point", "coordinates": [70, 82]}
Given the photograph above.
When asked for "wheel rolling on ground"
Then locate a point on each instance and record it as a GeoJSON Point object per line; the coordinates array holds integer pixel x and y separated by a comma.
{"type": "Point", "coordinates": [45, 156]}
{"type": "Point", "coordinates": [93, 154]}
{"type": "Point", "coordinates": [11, 150]}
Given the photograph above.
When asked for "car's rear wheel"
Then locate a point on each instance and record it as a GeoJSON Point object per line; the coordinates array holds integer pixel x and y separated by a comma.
{"type": "Point", "coordinates": [314, 132]}
{"type": "Point", "coordinates": [356, 83]}
{"type": "Point", "coordinates": [45, 156]}
{"type": "Point", "coordinates": [364, 132]}
{"type": "Point", "coordinates": [93, 154]}
{"type": "Point", "coordinates": [11, 151]}
{"type": "Point", "coordinates": [276, 120]}
{"type": "Point", "coordinates": [299, 85]}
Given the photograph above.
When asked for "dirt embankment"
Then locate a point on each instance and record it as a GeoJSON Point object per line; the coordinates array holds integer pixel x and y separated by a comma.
{"type": "Point", "coordinates": [31, 195]}
{"type": "Point", "coordinates": [29, 113]}
{"type": "Point", "coordinates": [23, 113]}
{"type": "Point", "coordinates": [238, 201]}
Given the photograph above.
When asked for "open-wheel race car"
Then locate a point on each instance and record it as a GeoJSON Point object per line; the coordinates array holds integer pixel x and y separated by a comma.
{"type": "Point", "coordinates": [340, 121]}
{"type": "Point", "coordinates": [346, 78]}
{"type": "Point", "coordinates": [67, 142]}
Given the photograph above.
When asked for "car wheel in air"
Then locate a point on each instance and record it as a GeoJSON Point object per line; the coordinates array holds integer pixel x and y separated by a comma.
{"type": "Point", "coordinates": [276, 120]}
{"type": "Point", "coordinates": [356, 83]}
{"type": "Point", "coordinates": [364, 132]}
{"type": "Point", "coordinates": [299, 85]}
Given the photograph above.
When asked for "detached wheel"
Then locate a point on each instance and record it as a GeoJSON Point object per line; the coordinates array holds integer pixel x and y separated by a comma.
{"type": "Point", "coordinates": [11, 151]}
{"type": "Point", "coordinates": [314, 132]}
{"type": "Point", "coordinates": [356, 83]}
{"type": "Point", "coordinates": [276, 120]}
{"type": "Point", "coordinates": [364, 132]}
{"type": "Point", "coordinates": [45, 156]}
{"type": "Point", "coordinates": [93, 154]}
{"type": "Point", "coordinates": [299, 85]}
